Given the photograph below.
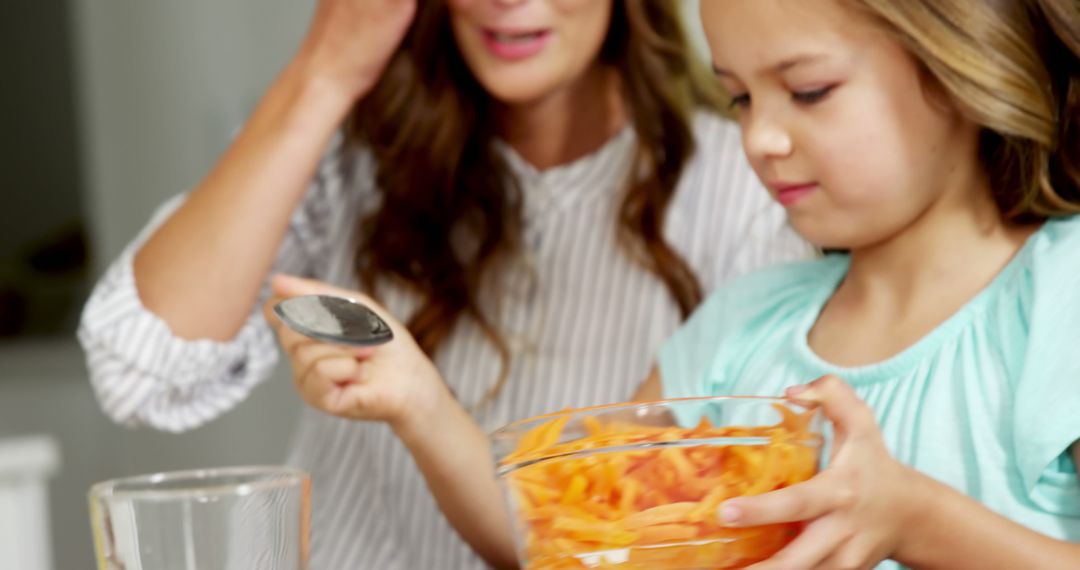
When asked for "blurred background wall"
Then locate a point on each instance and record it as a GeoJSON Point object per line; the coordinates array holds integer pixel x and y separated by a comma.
{"type": "Point", "coordinates": [163, 84]}
{"type": "Point", "coordinates": [109, 108]}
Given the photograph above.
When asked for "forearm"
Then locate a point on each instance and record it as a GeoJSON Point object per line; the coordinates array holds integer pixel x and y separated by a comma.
{"type": "Point", "coordinates": [454, 455]}
{"type": "Point", "coordinates": [955, 531]}
{"type": "Point", "coordinates": [651, 389]}
{"type": "Point", "coordinates": [202, 269]}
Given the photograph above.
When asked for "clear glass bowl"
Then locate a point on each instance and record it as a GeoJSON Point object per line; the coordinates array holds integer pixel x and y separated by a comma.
{"type": "Point", "coordinates": [637, 485]}
{"type": "Point", "coordinates": [207, 519]}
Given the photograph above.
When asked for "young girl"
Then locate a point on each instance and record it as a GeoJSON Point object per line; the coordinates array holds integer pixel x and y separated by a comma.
{"type": "Point", "coordinates": [936, 142]}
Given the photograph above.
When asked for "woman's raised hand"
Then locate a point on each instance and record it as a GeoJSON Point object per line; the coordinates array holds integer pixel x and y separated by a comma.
{"type": "Point", "coordinates": [350, 42]}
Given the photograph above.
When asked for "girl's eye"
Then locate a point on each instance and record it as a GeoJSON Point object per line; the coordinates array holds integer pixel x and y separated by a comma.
{"type": "Point", "coordinates": [811, 97]}
{"type": "Point", "coordinates": [739, 101]}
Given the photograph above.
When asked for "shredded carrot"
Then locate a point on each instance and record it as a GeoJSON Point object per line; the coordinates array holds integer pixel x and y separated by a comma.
{"type": "Point", "coordinates": [652, 507]}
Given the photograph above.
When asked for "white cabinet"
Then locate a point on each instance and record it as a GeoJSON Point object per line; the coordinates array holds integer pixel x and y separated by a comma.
{"type": "Point", "coordinates": [26, 464]}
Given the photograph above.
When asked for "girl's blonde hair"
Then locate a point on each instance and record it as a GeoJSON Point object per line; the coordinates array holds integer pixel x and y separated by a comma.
{"type": "Point", "coordinates": [1012, 66]}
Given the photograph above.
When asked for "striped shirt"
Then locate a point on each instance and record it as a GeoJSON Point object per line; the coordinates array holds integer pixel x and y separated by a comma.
{"type": "Point", "coordinates": [582, 320]}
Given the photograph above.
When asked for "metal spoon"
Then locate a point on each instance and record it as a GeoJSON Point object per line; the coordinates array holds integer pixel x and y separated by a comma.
{"type": "Point", "coordinates": [333, 319]}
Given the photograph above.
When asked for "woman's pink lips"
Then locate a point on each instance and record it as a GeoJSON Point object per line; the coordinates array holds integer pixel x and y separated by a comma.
{"type": "Point", "coordinates": [789, 194]}
{"type": "Point", "coordinates": [518, 48]}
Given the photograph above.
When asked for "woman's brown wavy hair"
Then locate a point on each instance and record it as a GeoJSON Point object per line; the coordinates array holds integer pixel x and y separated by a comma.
{"type": "Point", "coordinates": [1013, 67]}
{"type": "Point", "coordinates": [430, 126]}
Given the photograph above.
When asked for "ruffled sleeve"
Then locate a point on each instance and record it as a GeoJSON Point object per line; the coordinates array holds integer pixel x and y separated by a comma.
{"type": "Point", "coordinates": [144, 375]}
{"type": "Point", "coordinates": [1046, 421]}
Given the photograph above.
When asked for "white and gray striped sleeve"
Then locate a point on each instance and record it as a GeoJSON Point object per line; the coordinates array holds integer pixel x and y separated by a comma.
{"type": "Point", "coordinates": [144, 375]}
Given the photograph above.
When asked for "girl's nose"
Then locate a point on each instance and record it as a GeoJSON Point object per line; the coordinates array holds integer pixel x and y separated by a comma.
{"type": "Point", "coordinates": [764, 137]}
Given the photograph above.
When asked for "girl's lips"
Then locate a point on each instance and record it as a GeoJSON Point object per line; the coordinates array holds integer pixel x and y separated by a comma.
{"type": "Point", "coordinates": [515, 45]}
{"type": "Point", "coordinates": [789, 194]}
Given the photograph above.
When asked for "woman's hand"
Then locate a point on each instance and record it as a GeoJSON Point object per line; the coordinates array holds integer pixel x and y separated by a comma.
{"type": "Point", "coordinates": [857, 509]}
{"type": "Point", "coordinates": [394, 383]}
{"type": "Point", "coordinates": [350, 42]}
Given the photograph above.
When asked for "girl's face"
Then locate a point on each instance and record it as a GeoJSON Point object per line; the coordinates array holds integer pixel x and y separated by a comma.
{"type": "Point", "coordinates": [836, 119]}
{"type": "Point", "coordinates": [522, 51]}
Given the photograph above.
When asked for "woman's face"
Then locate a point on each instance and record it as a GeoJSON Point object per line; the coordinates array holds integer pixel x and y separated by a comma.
{"type": "Point", "coordinates": [523, 51]}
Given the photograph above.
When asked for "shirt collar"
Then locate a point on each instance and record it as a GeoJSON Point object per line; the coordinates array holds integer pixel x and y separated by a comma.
{"type": "Point", "coordinates": [548, 191]}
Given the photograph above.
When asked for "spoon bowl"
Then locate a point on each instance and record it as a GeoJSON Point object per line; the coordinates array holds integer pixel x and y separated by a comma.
{"type": "Point", "coordinates": [333, 319]}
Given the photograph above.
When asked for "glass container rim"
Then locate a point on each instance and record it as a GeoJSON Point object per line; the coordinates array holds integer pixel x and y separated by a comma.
{"type": "Point", "coordinates": [519, 425]}
{"type": "Point", "coordinates": [284, 476]}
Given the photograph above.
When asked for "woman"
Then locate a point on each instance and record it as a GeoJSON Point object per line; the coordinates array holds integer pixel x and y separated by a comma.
{"type": "Point", "coordinates": [520, 180]}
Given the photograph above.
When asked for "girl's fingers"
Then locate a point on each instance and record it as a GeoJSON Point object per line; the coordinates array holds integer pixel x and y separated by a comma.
{"type": "Point", "coordinates": [853, 554]}
{"type": "Point", "coordinates": [814, 498]}
{"type": "Point", "coordinates": [813, 545]}
{"type": "Point", "coordinates": [851, 417]}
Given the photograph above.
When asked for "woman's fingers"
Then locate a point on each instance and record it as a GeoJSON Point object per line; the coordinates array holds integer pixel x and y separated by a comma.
{"type": "Point", "coordinates": [310, 357]}
{"type": "Point", "coordinates": [299, 348]}
{"type": "Point", "coordinates": [285, 286]}
{"type": "Point", "coordinates": [350, 42]}
{"type": "Point", "coordinates": [332, 378]}
{"type": "Point", "coordinates": [390, 382]}
{"type": "Point", "coordinates": [268, 313]}
{"type": "Point", "coordinates": [328, 371]}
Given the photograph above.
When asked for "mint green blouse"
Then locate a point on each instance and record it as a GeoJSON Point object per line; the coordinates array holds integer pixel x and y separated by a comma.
{"type": "Point", "coordinates": [988, 402]}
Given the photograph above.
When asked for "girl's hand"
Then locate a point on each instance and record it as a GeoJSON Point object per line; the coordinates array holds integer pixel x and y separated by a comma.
{"type": "Point", "coordinates": [350, 42]}
{"type": "Point", "coordinates": [394, 383]}
{"type": "Point", "coordinates": [857, 508]}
